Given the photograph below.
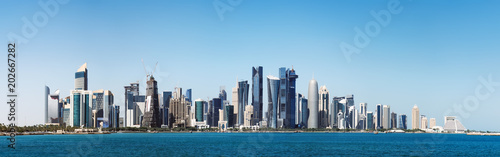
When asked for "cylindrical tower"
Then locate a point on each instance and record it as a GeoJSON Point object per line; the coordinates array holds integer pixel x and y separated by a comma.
{"type": "Point", "coordinates": [312, 103]}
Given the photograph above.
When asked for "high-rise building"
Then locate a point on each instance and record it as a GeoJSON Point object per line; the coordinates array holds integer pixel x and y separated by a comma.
{"type": "Point", "coordinates": [242, 100]}
{"type": "Point", "coordinates": [273, 84]}
{"type": "Point", "coordinates": [80, 108]}
{"type": "Point", "coordinates": [235, 103]}
{"type": "Point", "coordinates": [432, 123]}
{"type": "Point", "coordinates": [415, 117]}
{"type": "Point", "coordinates": [229, 115]}
{"type": "Point", "coordinates": [152, 117]}
{"type": "Point", "coordinates": [362, 108]}
{"type": "Point", "coordinates": [248, 115]}
{"type": "Point", "coordinates": [394, 120]}
{"type": "Point", "coordinates": [189, 95]}
{"type": "Point", "coordinates": [66, 111]}
{"type": "Point", "coordinates": [323, 106]}
{"type": "Point", "coordinates": [369, 120]}
{"type": "Point", "coordinates": [216, 105]}
{"type": "Point", "coordinates": [298, 110]}
{"type": "Point", "coordinates": [424, 123]}
{"type": "Point", "coordinates": [402, 122]}
{"type": "Point", "coordinates": [291, 91]}
{"type": "Point", "coordinates": [115, 116]}
{"type": "Point", "coordinates": [81, 76]}
{"type": "Point", "coordinates": [257, 94]}
{"type": "Point", "coordinates": [102, 101]}
{"type": "Point", "coordinates": [167, 95]}
{"type": "Point", "coordinates": [379, 117]}
{"type": "Point", "coordinates": [222, 93]}
{"type": "Point", "coordinates": [199, 110]}
{"type": "Point", "coordinates": [178, 111]}
{"type": "Point", "coordinates": [53, 108]}
{"type": "Point", "coordinates": [386, 117]}
{"type": "Point", "coordinates": [313, 104]}
{"type": "Point", "coordinates": [131, 92]}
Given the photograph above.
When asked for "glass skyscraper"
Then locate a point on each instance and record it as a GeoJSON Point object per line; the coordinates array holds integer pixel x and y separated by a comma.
{"type": "Point", "coordinates": [81, 82]}
{"type": "Point", "coordinates": [273, 84]}
{"type": "Point", "coordinates": [199, 110]}
{"type": "Point", "coordinates": [242, 100]}
{"type": "Point", "coordinates": [402, 122]}
{"type": "Point", "coordinates": [257, 94]}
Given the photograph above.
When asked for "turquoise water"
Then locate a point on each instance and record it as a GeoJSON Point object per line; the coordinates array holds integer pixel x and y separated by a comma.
{"type": "Point", "coordinates": [254, 144]}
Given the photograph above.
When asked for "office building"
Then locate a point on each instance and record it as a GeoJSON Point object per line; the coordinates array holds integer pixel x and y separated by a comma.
{"type": "Point", "coordinates": [362, 108]}
{"type": "Point", "coordinates": [386, 117]}
{"type": "Point", "coordinates": [257, 94]}
{"type": "Point", "coordinates": [424, 124]}
{"type": "Point", "coordinates": [379, 118]}
{"type": "Point", "coordinates": [229, 115]}
{"type": "Point", "coordinates": [291, 103]}
{"type": "Point", "coordinates": [115, 116]}
{"type": "Point", "coordinates": [415, 117]}
{"type": "Point", "coordinates": [323, 107]}
{"type": "Point", "coordinates": [81, 78]}
{"type": "Point", "coordinates": [432, 122]}
{"type": "Point", "coordinates": [313, 104]}
{"type": "Point", "coordinates": [80, 114]}
{"type": "Point", "coordinates": [131, 92]}
{"type": "Point", "coordinates": [248, 115]}
{"type": "Point", "coordinates": [273, 85]}
{"type": "Point", "coordinates": [189, 95]}
{"type": "Point", "coordinates": [167, 95]}
{"type": "Point", "coordinates": [199, 110]}
{"type": "Point", "coordinates": [235, 103]}
{"type": "Point", "coordinates": [152, 117]}
{"type": "Point", "coordinates": [53, 108]}
{"type": "Point", "coordinates": [242, 100]}
{"type": "Point", "coordinates": [179, 111]}
{"type": "Point", "coordinates": [369, 120]}
{"type": "Point", "coordinates": [402, 122]}
{"type": "Point", "coordinates": [102, 101]}
{"type": "Point", "coordinates": [394, 120]}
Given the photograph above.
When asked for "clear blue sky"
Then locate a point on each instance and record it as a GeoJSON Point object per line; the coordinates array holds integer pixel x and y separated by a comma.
{"type": "Point", "coordinates": [430, 54]}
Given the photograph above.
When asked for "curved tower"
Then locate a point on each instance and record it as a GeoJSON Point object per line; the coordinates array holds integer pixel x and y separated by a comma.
{"type": "Point", "coordinates": [312, 103]}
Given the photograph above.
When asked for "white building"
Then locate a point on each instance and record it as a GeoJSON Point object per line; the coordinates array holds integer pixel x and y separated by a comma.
{"type": "Point", "coordinates": [386, 120]}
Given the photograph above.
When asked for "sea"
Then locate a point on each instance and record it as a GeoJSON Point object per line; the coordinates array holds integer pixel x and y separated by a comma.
{"type": "Point", "coordinates": [254, 144]}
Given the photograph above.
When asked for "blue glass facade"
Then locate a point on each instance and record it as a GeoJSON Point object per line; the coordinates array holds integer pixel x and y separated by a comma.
{"type": "Point", "coordinates": [199, 111]}
{"type": "Point", "coordinates": [291, 97]}
{"type": "Point", "coordinates": [242, 100]}
{"type": "Point", "coordinates": [76, 109]}
{"type": "Point", "coordinates": [166, 104]}
{"type": "Point", "coordinates": [188, 95]}
{"type": "Point", "coordinates": [379, 116]}
{"type": "Point", "coordinates": [369, 120]}
{"type": "Point", "coordinates": [402, 122]}
{"type": "Point", "coordinates": [273, 85]}
{"type": "Point", "coordinates": [257, 94]}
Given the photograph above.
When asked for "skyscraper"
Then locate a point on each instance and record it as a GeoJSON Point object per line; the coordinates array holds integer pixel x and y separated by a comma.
{"type": "Point", "coordinates": [199, 110]}
{"type": "Point", "coordinates": [424, 124]}
{"type": "Point", "coordinates": [222, 93]}
{"type": "Point", "coordinates": [273, 84]}
{"type": "Point", "coordinates": [130, 92]}
{"type": "Point", "coordinates": [178, 112]}
{"type": "Point", "coordinates": [52, 107]}
{"type": "Point", "coordinates": [386, 117]}
{"type": "Point", "coordinates": [394, 120]}
{"type": "Point", "coordinates": [369, 120]}
{"type": "Point", "coordinates": [235, 104]}
{"type": "Point", "coordinates": [80, 108]}
{"type": "Point", "coordinates": [362, 108]}
{"type": "Point", "coordinates": [167, 95]}
{"type": "Point", "coordinates": [283, 96]}
{"type": "Point", "coordinates": [291, 91]}
{"type": "Point", "coordinates": [189, 95]}
{"type": "Point", "coordinates": [81, 78]}
{"type": "Point", "coordinates": [152, 117]}
{"type": "Point", "coordinates": [242, 100]}
{"type": "Point", "coordinates": [415, 116]}
{"type": "Point", "coordinates": [257, 94]}
{"type": "Point", "coordinates": [313, 104]}
{"type": "Point", "coordinates": [379, 116]}
{"type": "Point", "coordinates": [402, 122]}
{"type": "Point", "coordinates": [323, 107]}
{"type": "Point", "coordinates": [102, 101]}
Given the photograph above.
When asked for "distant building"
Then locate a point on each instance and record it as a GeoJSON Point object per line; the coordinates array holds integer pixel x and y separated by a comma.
{"type": "Point", "coordinates": [273, 84]}
{"type": "Point", "coordinates": [402, 122]}
{"type": "Point", "coordinates": [248, 116]}
{"type": "Point", "coordinates": [432, 123]}
{"type": "Point", "coordinates": [131, 92]}
{"type": "Point", "coordinates": [152, 117]}
{"type": "Point", "coordinates": [115, 118]}
{"type": "Point", "coordinates": [229, 115]}
{"type": "Point", "coordinates": [81, 78]}
{"type": "Point", "coordinates": [323, 106]}
{"type": "Point", "coordinates": [369, 120]}
{"type": "Point", "coordinates": [80, 111]}
{"type": "Point", "coordinates": [167, 95]}
{"type": "Point", "coordinates": [53, 108]}
{"type": "Point", "coordinates": [199, 110]}
{"type": "Point", "coordinates": [242, 100]}
{"type": "Point", "coordinates": [102, 101]}
{"type": "Point", "coordinates": [394, 120]}
{"type": "Point", "coordinates": [379, 118]}
{"type": "Point", "coordinates": [313, 104]}
{"type": "Point", "coordinates": [235, 102]}
{"type": "Point", "coordinates": [453, 125]}
{"type": "Point", "coordinates": [424, 124]}
{"type": "Point", "coordinates": [257, 92]}
{"type": "Point", "coordinates": [386, 117]}
{"type": "Point", "coordinates": [415, 117]}
{"type": "Point", "coordinates": [178, 111]}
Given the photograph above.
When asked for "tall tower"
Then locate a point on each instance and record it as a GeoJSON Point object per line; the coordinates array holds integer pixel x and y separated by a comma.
{"type": "Point", "coordinates": [242, 100]}
{"type": "Point", "coordinates": [415, 116]}
{"type": "Point", "coordinates": [272, 113]}
{"type": "Point", "coordinates": [323, 106]}
{"type": "Point", "coordinates": [378, 122]}
{"type": "Point", "coordinates": [312, 103]}
{"type": "Point", "coordinates": [81, 78]}
{"type": "Point", "coordinates": [387, 117]}
{"type": "Point", "coordinates": [257, 94]}
{"type": "Point", "coordinates": [152, 116]}
{"type": "Point", "coordinates": [291, 105]}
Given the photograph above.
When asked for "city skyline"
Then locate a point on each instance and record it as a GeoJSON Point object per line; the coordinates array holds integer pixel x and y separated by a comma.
{"type": "Point", "coordinates": [403, 66]}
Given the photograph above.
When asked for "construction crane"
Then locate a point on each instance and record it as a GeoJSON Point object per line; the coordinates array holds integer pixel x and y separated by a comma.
{"type": "Point", "coordinates": [146, 71]}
